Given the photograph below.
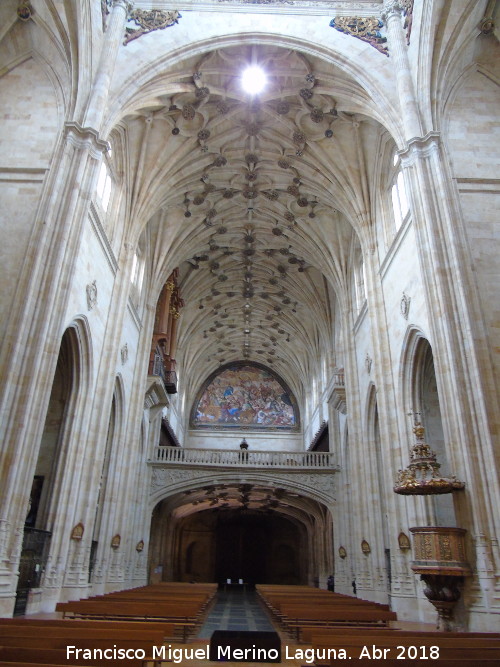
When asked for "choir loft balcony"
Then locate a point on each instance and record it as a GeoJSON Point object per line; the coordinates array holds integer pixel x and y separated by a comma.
{"type": "Point", "coordinates": [237, 458]}
{"type": "Point", "coordinates": [159, 367]}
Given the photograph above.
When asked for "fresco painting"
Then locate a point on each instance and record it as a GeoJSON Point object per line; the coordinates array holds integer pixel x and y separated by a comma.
{"type": "Point", "coordinates": [245, 396]}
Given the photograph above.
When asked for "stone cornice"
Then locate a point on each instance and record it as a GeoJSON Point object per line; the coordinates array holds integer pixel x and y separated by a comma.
{"type": "Point", "coordinates": [420, 147]}
{"type": "Point", "coordinates": [300, 7]}
{"type": "Point", "coordinates": [84, 137]}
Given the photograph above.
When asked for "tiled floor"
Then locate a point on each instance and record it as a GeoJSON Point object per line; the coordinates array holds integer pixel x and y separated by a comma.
{"type": "Point", "coordinates": [236, 610]}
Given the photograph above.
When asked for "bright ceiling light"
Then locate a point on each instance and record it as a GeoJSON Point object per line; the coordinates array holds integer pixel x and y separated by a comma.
{"type": "Point", "coordinates": [253, 80]}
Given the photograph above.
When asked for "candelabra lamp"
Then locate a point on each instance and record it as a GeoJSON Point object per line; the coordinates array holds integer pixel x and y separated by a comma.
{"type": "Point", "coordinates": [422, 476]}
{"type": "Point", "coordinates": [439, 551]}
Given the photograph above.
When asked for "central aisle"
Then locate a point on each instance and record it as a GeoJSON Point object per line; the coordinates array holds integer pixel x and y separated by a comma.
{"type": "Point", "coordinates": [236, 610]}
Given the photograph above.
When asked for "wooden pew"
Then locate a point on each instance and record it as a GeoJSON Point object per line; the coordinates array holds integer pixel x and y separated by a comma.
{"type": "Point", "coordinates": [138, 610]}
{"type": "Point", "coordinates": [176, 603]}
{"type": "Point", "coordinates": [74, 625]}
{"type": "Point", "coordinates": [279, 607]}
{"type": "Point", "coordinates": [186, 617]}
{"type": "Point", "coordinates": [321, 635]}
{"type": "Point", "coordinates": [300, 617]}
{"type": "Point", "coordinates": [9, 634]}
{"type": "Point", "coordinates": [297, 608]}
{"type": "Point", "coordinates": [4, 663]}
{"type": "Point", "coordinates": [415, 647]}
{"type": "Point", "coordinates": [53, 656]}
{"type": "Point", "coordinates": [333, 616]}
{"type": "Point", "coordinates": [59, 642]}
{"type": "Point", "coordinates": [47, 642]}
{"type": "Point", "coordinates": [454, 662]}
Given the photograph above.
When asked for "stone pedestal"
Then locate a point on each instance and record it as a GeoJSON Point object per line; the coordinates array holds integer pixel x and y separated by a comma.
{"type": "Point", "coordinates": [440, 561]}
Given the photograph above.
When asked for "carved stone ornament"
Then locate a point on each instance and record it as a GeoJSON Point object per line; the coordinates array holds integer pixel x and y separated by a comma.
{"type": "Point", "coordinates": [404, 541]}
{"type": "Point", "coordinates": [105, 7]}
{"type": "Point", "coordinates": [91, 290]}
{"type": "Point", "coordinates": [487, 25]}
{"type": "Point", "coordinates": [139, 546]}
{"type": "Point", "coordinates": [124, 354]}
{"type": "Point", "coordinates": [116, 541]}
{"type": "Point", "coordinates": [405, 305]}
{"type": "Point", "coordinates": [368, 363]}
{"type": "Point", "coordinates": [342, 552]}
{"type": "Point", "coordinates": [365, 28]}
{"type": "Point", "coordinates": [149, 20]}
{"type": "Point", "coordinates": [77, 532]}
{"type": "Point", "coordinates": [365, 547]}
{"type": "Point", "coordinates": [407, 6]}
{"type": "Point", "coordinates": [25, 11]}
{"type": "Point", "coordinates": [163, 477]}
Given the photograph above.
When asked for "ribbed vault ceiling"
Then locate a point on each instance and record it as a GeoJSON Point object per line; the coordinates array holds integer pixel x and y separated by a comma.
{"type": "Point", "coordinates": [259, 196]}
{"type": "Point", "coordinates": [245, 497]}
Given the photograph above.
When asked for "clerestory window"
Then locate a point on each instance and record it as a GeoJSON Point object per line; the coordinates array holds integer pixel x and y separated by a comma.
{"type": "Point", "coordinates": [399, 199]}
{"type": "Point", "coordinates": [104, 184]}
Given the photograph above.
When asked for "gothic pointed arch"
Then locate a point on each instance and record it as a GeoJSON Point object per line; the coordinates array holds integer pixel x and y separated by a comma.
{"type": "Point", "coordinates": [115, 431]}
{"type": "Point", "coordinates": [69, 393]}
{"type": "Point", "coordinates": [421, 404]}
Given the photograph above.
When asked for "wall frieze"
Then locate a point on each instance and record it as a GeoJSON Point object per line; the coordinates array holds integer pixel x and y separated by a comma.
{"type": "Point", "coordinates": [361, 8]}
{"type": "Point", "coordinates": [166, 481]}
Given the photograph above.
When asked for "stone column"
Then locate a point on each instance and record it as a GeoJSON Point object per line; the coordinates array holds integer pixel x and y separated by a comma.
{"type": "Point", "coordinates": [392, 455]}
{"type": "Point", "coordinates": [113, 37]}
{"type": "Point", "coordinates": [31, 365]}
{"type": "Point", "coordinates": [463, 371]}
{"type": "Point", "coordinates": [398, 51]}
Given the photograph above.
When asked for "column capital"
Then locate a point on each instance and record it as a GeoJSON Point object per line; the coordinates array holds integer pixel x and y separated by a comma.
{"type": "Point", "coordinates": [391, 8]}
{"type": "Point", "coordinates": [418, 147]}
{"type": "Point", "coordinates": [127, 5]}
{"type": "Point", "coordinates": [85, 137]}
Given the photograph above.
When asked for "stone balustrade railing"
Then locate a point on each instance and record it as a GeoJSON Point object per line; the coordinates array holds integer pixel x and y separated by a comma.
{"type": "Point", "coordinates": [238, 458]}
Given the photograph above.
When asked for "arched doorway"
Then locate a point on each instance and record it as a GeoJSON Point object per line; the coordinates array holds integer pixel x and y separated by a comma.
{"type": "Point", "coordinates": [47, 480]}
{"type": "Point", "coordinates": [240, 532]}
{"type": "Point", "coordinates": [258, 548]}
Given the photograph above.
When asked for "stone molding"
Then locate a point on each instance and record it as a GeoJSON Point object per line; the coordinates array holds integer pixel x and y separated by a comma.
{"type": "Point", "coordinates": [102, 237]}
